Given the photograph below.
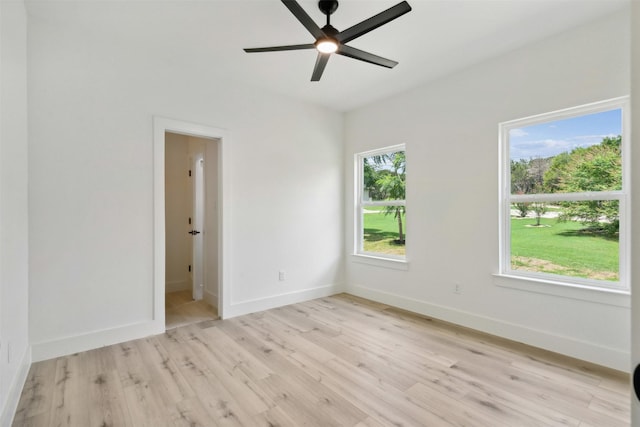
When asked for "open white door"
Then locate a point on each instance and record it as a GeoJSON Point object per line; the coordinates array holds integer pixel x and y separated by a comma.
{"type": "Point", "coordinates": [197, 222]}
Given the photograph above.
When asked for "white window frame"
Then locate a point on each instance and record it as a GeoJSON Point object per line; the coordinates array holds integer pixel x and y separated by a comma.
{"type": "Point", "coordinates": [361, 204]}
{"type": "Point", "coordinates": [506, 198]}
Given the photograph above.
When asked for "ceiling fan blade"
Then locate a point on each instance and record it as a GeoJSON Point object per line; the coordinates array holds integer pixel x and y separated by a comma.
{"type": "Point", "coordinates": [354, 53]}
{"type": "Point", "coordinates": [374, 22]}
{"type": "Point", "coordinates": [280, 48]}
{"type": "Point", "coordinates": [321, 62]}
{"type": "Point", "coordinates": [304, 18]}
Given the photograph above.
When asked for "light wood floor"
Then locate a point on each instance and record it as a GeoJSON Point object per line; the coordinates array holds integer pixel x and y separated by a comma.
{"type": "Point", "coordinates": [338, 361]}
{"type": "Point", "coordinates": [181, 309]}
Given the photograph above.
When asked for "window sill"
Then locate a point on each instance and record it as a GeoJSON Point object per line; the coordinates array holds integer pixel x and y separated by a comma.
{"type": "Point", "coordinates": [607, 296]}
{"type": "Point", "coordinates": [377, 261]}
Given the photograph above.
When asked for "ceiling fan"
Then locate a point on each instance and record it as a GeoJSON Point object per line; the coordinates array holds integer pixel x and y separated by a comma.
{"type": "Point", "coordinates": [329, 40]}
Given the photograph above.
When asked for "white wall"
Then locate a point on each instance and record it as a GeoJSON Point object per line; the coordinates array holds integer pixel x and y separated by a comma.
{"type": "Point", "coordinates": [15, 354]}
{"type": "Point", "coordinates": [92, 98]}
{"type": "Point", "coordinates": [450, 128]}
{"type": "Point", "coordinates": [178, 202]}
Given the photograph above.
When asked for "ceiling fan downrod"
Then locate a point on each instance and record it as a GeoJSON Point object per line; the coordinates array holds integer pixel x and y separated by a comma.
{"type": "Point", "coordinates": [328, 7]}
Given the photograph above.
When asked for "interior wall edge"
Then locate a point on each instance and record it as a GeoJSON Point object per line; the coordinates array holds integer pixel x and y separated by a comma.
{"type": "Point", "coordinates": [15, 391]}
{"type": "Point", "coordinates": [583, 350]}
{"type": "Point", "coordinates": [211, 298]}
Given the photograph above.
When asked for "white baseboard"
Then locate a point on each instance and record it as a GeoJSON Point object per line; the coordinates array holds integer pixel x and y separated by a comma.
{"type": "Point", "coordinates": [74, 344]}
{"type": "Point", "coordinates": [261, 304]}
{"type": "Point", "coordinates": [15, 390]}
{"type": "Point", "coordinates": [175, 286]}
{"type": "Point", "coordinates": [588, 351]}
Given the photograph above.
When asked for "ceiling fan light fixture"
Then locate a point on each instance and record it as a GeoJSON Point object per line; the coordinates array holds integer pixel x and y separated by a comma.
{"type": "Point", "coordinates": [327, 45]}
{"type": "Point", "coordinates": [329, 40]}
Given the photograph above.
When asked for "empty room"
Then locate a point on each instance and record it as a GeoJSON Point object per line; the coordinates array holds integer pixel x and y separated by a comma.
{"type": "Point", "coordinates": [319, 213]}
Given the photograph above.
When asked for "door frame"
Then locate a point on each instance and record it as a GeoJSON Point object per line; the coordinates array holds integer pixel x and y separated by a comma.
{"type": "Point", "coordinates": [160, 126]}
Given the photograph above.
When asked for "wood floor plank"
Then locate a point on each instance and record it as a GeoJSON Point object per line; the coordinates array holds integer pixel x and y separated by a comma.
{"type": "Point", "coordinates": [310, 402]}
{"type": "Point", "coordinates": [69, 393]}
{"type": "Point", "coordinates": [34, 421]}
{"type": "Point", "coordinates": [190, 413]}
{"type": "Point", "coordinates": [382, 406]}
{"type": "Point", "coordinates": [504, 413]}
{"type": "Point", "coordinates": [142, 395]}
{"type": "Point", "coordinates": [145, 407]}
{"type": "Point", "coordinates": [164, 373]}
{"type": "Point", "coordinates": [286, 338]}
{"type": "Point", "coordinates": [230, 352]}
{"type": "Point", "coordinates": [106, 403]}
{"type": "Point", "coordinates": [334, 361]}
{"type": "Point", "coordinates": [439, 404]}
{"type": "Point", "coordinates": [369, 422]}
{"type": "Point", "coordinates": [274, 417]}
{"type": "Point", "coordinates": [304, 395]}
{"type": "Point", "coordinates": [224, 408]}
{"type": "Point", "coordinates": [37, 392]}
{"type": "Point", "coordinates": [234, 380]}
{"type": "Point", "coordinates": [398, 406]}
{"type": "Point", "coordinates": [614, 409]}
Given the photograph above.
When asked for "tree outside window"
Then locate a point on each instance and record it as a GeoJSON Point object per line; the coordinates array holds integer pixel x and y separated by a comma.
{"type": "Point", "coordinates": [382, 211]}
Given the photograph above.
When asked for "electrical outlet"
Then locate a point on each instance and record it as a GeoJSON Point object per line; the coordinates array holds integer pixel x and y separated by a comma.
{"type": "Point", "coordinates": [281, 275]}
{"type": "Point", "coordinates": [457, 288]}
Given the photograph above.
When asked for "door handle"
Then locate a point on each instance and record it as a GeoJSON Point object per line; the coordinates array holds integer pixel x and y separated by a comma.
{"type": "Point", "coordinates": [194, 232]}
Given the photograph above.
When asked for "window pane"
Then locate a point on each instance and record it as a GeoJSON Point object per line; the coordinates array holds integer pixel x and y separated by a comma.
{"type": "Point", "coordinates": [568, 156]}
{"type": "Point", "coordinates": [578, 239]}
{"type": "Point", "coordinates": [384, 177]}
{"type": "Point", "coordinates": [384, 230]}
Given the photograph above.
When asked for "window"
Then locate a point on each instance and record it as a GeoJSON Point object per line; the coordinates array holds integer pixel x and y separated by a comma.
{"type": "Point", "coordinates": [564, 196]}
{"type": "Point", "coordinates": [380, 214]}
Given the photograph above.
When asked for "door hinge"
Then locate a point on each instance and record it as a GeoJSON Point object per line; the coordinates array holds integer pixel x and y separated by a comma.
{"type": "Point", "coordinates": [189, 172]}
{"type": "Point", "coordinates": [189, 220]}
{"type": "Point", "coordinates": [189, 268]}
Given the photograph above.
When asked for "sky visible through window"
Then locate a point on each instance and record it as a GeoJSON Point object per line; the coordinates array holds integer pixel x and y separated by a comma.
{"type": "Point", "coordinates": [552, 138]}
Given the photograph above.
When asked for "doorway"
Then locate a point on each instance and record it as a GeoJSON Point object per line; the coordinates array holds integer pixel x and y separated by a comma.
{"type": "Point", "coordinates": [191, 229]}
{"type": "Point", "coordinates": [191, 241]}
{"type": "Point", "coordinates": [162, 125]}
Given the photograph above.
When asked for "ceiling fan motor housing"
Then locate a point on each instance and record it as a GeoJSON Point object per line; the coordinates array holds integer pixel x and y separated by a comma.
{"type": "Point", "coordinates": [328, 6]}
{"type": "Point", "coordinates": [330, 31]}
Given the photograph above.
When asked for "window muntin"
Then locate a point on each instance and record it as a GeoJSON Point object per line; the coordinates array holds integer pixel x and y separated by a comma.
{"type": "Point", "coordinates": [564, 196]}
{"type": "Point", "coordinates": [380, 211]}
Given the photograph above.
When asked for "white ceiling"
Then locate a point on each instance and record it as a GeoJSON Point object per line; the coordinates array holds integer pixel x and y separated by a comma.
{"type": "Point", "coordinates": [437, 37]}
